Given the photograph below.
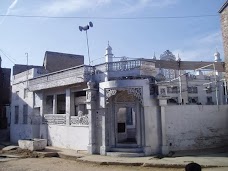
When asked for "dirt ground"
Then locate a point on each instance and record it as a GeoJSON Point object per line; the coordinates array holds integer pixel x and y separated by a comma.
{"type": "Point", "coordinates": [54, 164]}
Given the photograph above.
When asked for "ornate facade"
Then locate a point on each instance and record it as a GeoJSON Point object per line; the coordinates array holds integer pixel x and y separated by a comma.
{"type": "Point", "coordinates": [106, 108]}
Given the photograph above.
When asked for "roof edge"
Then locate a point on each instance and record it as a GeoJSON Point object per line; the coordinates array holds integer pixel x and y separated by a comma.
{"type": "Point", "coordinates": [63, 53]}
{"type": "Point", "coordinates": [223, 7]}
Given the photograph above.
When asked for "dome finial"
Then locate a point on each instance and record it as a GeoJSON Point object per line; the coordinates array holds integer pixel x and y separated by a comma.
{"type": "Point", "coordinates": [178, 57]}
{"type": "Point", "coordinates": [154, 57]}
{"type": "Point", "coordinates": [217, 56]}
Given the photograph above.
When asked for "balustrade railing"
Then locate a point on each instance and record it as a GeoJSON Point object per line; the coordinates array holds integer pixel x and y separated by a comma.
{"type": "Point", "coordinates": [55, 119]}
{"type": "Point", "coordinates": [141, 64]}
{"type": "Point", "coordinates": [79, 120]}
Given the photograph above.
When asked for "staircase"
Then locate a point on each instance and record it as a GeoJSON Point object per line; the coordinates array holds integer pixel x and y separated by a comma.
{"type": "Point", "coordinates": [126, 152]}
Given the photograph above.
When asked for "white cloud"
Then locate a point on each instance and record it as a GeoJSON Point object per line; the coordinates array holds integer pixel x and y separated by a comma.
{"type": "Point", "coordinates": [201, 48]}
{"type": "Point", "coordinates": [141, 4]}
{"type": "Point", "coordinates": [56, 7]}
{"type": "Point", "coordinates": [14, 3]}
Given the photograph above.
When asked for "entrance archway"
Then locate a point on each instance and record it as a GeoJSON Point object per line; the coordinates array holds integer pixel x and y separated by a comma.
{"type": "Point", "coordinates": [127, 122]}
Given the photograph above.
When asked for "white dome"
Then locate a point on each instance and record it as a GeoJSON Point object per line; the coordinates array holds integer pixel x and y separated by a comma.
{"type": "Point", "coordinates": [217, 56]}
{"type": "Point", "coordinates": [160, 77]}
{"type": "Point", "coordinates": [168, 56]}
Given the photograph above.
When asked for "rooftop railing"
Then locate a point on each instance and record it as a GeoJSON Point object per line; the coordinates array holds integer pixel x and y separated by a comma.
{"type": "Point", "coordinates": [125, 65]}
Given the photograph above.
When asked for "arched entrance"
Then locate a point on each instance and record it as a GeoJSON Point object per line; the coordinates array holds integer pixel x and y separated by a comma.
{"type": "Point", "coordinates": [127, 122]}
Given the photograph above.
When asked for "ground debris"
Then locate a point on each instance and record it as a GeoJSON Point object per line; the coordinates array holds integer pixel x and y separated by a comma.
{"type": "Point", "coordinates": [23, 153]}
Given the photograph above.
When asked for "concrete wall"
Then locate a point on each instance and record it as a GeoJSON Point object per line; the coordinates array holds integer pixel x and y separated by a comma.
{"type": "Point", "coordinates": [23, 131]}
{"type": "Point", "coordinates": [76, 138]}
{"type": "Point", "coordinates": [152, 127]}
{"type": "Point", "coordinates": [196, 126]}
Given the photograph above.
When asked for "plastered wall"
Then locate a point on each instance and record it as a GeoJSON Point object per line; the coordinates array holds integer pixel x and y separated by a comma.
{"type": "Point", "coordinates": [196, 126]}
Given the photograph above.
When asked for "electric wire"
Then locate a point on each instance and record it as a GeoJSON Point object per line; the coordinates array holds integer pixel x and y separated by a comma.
{"type": "Point", "coordinates": [7, 56]}
{"type": "Point", "coordinates": [110, 18]}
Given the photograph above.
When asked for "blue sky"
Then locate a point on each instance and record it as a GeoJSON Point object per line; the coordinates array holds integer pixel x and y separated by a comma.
{"type": "Point", "coordinates": [192, 38]}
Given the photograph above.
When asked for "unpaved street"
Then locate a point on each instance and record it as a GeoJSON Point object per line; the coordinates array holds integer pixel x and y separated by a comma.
{"type": "Point", "coordinates": [57, 164]}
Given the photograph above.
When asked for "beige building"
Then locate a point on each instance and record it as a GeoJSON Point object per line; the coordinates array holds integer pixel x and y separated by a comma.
{"type": "Point", "coordinates": [224, 25]}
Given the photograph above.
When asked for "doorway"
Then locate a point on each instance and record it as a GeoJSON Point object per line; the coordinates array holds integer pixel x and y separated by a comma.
{"type": "Point", "coordinates": [126, 124]}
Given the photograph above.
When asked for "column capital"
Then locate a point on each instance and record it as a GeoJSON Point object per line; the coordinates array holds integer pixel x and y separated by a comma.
{"type": "Point", "coordinates": [163, 100]}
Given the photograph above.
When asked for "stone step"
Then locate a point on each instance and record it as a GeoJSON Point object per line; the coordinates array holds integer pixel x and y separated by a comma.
{"type": "Point", "coordinates": [125, 154]}
{"type": "Point", "coordinates": [128, 150]}
{"type": "Point", "coordinates": [127, 146]}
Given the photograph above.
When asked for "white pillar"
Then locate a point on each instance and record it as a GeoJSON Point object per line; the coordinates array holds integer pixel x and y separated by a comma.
{"type": "Point", "coordinates": [68, 106]}
{"type": "Point", "coordinates": [54, 104]}
{"type": "Point", "coordinates": [91, 97]}
{"type": "Point", "coordinates": [165, 147]}
{"type": "Point", "coordinates": [42, 107]}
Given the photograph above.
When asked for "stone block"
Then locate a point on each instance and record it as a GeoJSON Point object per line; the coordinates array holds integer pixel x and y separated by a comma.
{"type": "Point", "coordinates": [33, 144]}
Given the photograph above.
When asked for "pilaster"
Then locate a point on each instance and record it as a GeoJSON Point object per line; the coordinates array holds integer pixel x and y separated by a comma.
{"type": "Point", "coordinates": [91, 96]}
{"type": "Point", "coordinates": [163, 104]}
{"type": "Point", "coordinates": [55, 104]}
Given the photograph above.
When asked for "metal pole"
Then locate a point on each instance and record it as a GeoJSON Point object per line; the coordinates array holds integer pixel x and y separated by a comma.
{"type": "Point", "coordinates": [87, 40]}
{"type": "Point", "coordinates": [225, 85]}
{"type": "Point", "coordinates": [27, 70]}
{"type": "Point", "coordinates": [216, 88]}
{"type": "Point", "coordinates": [180, 84]}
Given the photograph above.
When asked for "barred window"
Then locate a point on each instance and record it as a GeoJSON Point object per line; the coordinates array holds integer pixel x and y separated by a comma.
{"type": "Point", "coordinates": [193, 99]}
{"type": "Point", "coordinates": [25, 114]}
{"type": "Point", "coordinates": [16, 114]}
{"type": "Point", "coordinates": [174, 89]}
{"type": "Point", "coordinates": [192, 90]}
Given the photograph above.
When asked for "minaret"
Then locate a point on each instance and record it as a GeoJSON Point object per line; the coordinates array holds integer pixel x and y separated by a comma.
{"type": "Point", "coordinates": [219, 84]}
{"type": "Point", "coordinates": [178, 57]}
{"type": "Point", "coordinates": [108, 54]}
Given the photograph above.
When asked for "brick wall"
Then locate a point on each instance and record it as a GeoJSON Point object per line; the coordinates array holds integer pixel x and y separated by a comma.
{"type": "Point", "coordinates": [224, 26]}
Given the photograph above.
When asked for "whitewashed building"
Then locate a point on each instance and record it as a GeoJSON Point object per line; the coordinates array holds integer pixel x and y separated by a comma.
{"type": "Point", "coordinates": [126, 106]}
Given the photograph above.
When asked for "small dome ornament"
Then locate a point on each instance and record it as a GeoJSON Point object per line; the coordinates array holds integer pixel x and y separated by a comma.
{"type": "Point", "coordinates": [160, 77]}
{"type": "Point", "coordinates": [109, 48]}
{"type": "Point", "coordinates": [217, 56]}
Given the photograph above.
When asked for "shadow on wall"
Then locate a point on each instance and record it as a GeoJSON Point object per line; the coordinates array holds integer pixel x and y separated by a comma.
{"type": "Point", "coordinates": [25, 122]}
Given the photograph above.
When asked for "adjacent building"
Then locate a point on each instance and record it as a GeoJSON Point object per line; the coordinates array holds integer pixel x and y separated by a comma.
{"type": "Point", "coordinates": [141, 106]}
{"type": "Point", "coordinates": [224, 25]}
{"type": "Point", "coordinates": [5, 91]}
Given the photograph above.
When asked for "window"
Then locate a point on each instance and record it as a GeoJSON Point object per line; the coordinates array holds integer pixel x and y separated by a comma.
{"type": "Point", "coordinates": [209, 99]}
{"type": "Point", "coordinates": [25, 93]}
{"type": "Point", "coordinates": [209, 90]}
{"type": "Point", "coordinates": [193, 99]}
{"type": "Point", "coordinates": [192, 90]}
{"type": "Point", "coordinates": [49, 104]}
{"type": "Point", "coordinates": [25, 114]}
{"type": "Point", "coordinates": [129, 116]}
{"type": "Point", "coordinates": [61, 103]}
{"type": "Point", "coordinates": [80, 110]}
{"type": "Point", "coordinates": [174, 89]}
{"type": "Point", "coordinates": [16, 114]}
{"type": "Point", "coordinates": [17, 95]}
